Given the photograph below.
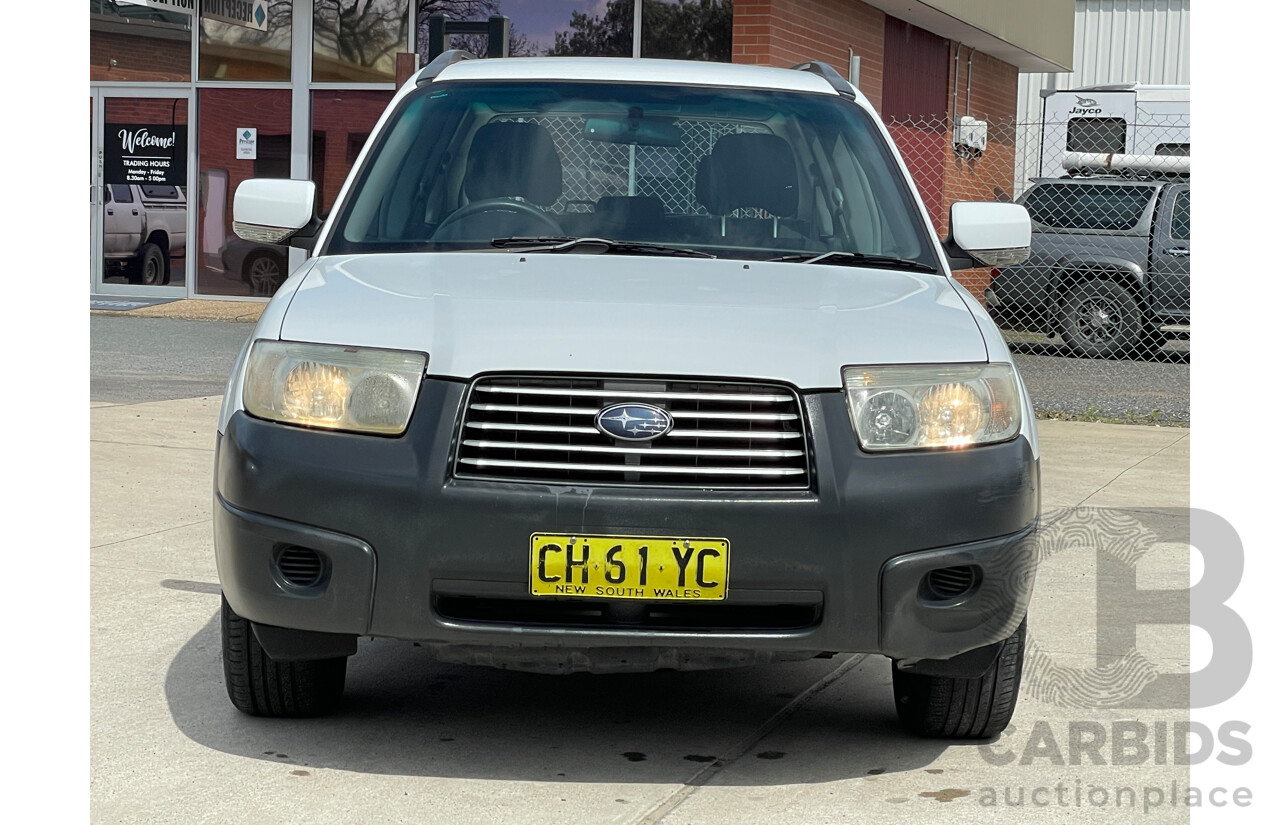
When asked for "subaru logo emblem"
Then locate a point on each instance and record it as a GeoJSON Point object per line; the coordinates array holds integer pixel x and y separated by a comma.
{"type": "Point", "coordinates": [634, 422]}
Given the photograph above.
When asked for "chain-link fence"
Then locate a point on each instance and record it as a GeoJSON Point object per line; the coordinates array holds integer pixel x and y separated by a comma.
{"type": "Point", "coordinates": [1098, 316]}
{"type": "Point", "coordinates": [1109, 274]}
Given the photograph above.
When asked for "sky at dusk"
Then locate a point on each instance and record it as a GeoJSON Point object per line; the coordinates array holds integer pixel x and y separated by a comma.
{"type": "Point", "coordinates": [539, 20]}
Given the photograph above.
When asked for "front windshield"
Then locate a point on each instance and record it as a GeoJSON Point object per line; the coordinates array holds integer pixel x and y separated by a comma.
{"type": "Point", "coordinates": [736, 173]}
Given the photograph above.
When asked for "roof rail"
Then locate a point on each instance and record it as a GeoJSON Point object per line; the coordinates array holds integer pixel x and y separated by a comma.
{"type": "Point", "coordinates": [446, 59]}
{"type": "Point", "coordinates": [827, 73]}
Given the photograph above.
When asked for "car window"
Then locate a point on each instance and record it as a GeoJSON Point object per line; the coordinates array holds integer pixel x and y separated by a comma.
{"type": "Point", "coordinates": [160, 191]}
{"type": "Point", "coordinates": [737, 173]}
{"type": "Point", "coordinates": [1181, 229]}
{"type": "Point", "coordinates": [121, 193]}
{"type": "Point", "coordinates": [1083, 206]}
{"type": "Point", "coordinates": [1096, 134]}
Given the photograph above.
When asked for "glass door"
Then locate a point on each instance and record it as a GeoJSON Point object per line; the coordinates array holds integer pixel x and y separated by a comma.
{"type": "Point", "coordinates": [140, 178]}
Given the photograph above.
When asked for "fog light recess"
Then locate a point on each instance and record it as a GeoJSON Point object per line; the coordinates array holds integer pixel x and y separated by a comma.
{"type": "Point", "coordinates": [300, 567]}
{"type": "Point", "coordinates": [950, 583]}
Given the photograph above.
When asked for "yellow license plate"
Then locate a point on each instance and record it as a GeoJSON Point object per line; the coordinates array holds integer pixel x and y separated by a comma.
{"type": "Point", "coordinates": [628, 567]}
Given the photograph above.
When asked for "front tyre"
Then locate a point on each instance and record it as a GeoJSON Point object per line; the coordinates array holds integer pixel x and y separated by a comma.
{"type": "Point", "coordinates": [949, 707]}
{"type": "Point", "coordinates": [261, 686]}
{"type": "Point", "coordinates": [149, 268]}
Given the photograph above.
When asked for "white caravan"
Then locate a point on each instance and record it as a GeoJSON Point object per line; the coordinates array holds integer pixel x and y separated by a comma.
{"type": "Point", "coordinates": [1126, 119]}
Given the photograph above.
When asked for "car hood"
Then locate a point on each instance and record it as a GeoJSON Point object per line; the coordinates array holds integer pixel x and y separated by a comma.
{"type": "Point", "coordinates": [617, 314]}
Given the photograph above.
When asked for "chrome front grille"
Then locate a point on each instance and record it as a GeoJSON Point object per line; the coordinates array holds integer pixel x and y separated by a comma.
{"type": "Point", "coordinates": [724, 435]}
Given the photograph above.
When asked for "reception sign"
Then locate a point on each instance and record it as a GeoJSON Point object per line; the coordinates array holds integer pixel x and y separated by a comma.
{"type": "Point", "coordinates": [182, 6]}
{"type": "Point", "coordinates": [250, 13]}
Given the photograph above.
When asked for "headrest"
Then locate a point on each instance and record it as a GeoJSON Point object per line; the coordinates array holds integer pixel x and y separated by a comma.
{"type": "Point", "coordinates": [747, 170]}
{"type": "Point", "coordinates": [513, 160]}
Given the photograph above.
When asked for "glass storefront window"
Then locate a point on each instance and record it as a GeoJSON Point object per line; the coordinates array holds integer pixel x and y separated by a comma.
{"type": "Point", "coordinates": [556, 27]}
{"type": "Point", "coordinates": [232, 52]}
{"type": "Point", "coordinates": [144, 200]}
{"type": "Point", "coordinates": [676, 29]}
{"type": "Point", "coordinates": [687, 29]}
{"type": "Point", "coordinates": [138, 43]}
{"type": "Point", "coordinates": [357, 40]}
{"type": "Point", "coordinates": [586, 29]}
{"type": "Point", "coordinates": [341, 121]}
{"type": "Point", "coordinates": [227, 264]}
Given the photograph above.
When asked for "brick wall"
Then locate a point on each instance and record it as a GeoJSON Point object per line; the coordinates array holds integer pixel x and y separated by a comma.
{"type": "Point", "coordinates": [787, 32]}
{"type": "Point", "coordinates": [221, 112]}
{"type": "Point", "coordinates": [344, 118]}
{"type": "Point", "coordinates": [992, 96]}
{"type": "Point", "coordinates": [138, 57]}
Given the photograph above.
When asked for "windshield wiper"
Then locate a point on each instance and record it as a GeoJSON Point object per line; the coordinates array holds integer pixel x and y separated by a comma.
{"type": "Point", "coordinates": [598, 246]}
{"type": "Point", "coordinates": [858, 259]}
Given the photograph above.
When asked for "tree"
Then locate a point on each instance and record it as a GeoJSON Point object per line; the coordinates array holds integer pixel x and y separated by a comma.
{"type": "Point", "coordinates": [608, 35]}
{"type": "Point", "coordinates": [683, 29]}
{"type": "Point", "coordinates": [361, 32]}
{"type": "Point", "coordinates": [688, 30]}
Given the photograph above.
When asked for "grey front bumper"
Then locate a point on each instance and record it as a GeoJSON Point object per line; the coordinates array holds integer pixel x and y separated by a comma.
{"type": "Point", "coordinates": [405, 541]}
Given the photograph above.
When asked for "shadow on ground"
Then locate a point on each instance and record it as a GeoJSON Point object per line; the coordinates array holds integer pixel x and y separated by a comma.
{"type": "Point", "coordinates": [408, 714]}
{"type": "Point", "coordinates": [1175, 352]}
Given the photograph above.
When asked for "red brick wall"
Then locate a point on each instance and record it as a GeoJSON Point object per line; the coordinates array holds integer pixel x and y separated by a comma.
{"type": "Point", "coordinates": [138, 58]}
{"type": "Point", "coordinates": [342, 116]}
{"type": "Point", "coordinates": [221, 112]}
{"type": "Point", "coordinates": [787, 32]}
{"type": "Point", "coordinates": [992, 97]}
{"type": "Point", "coordinates": [146, 110]}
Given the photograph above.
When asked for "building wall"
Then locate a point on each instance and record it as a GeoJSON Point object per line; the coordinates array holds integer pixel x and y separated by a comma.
{"type": "Point", "coordinates": [139, 58]}
{"type": "Point", "coordinates": [1116, 41]}
{"type": "Point", "coordinates": [915, 104]}
{"type": "Point", "coordinates": [1119, 41]}
{"type": "Point", "coordinates": [914, 79]}
{"type": "Point", "coordinates": [985, 89]}
{"type": "Point", "coordinates": [787, 32]}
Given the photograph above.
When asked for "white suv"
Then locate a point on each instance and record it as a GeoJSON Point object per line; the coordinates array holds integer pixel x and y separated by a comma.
{"type": "Point", "coordinates": [616, 365]}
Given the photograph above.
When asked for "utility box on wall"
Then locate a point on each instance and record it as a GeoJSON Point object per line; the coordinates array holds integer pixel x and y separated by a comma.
{"type": "Point", "coordinates": [971, 137]}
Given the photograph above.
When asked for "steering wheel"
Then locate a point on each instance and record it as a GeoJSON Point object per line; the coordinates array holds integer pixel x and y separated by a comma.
{"type": "Point", "coordinates": [519, 210]}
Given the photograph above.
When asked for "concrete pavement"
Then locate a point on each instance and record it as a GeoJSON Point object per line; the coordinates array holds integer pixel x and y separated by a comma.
{"type": "Point", "coordinates": [810, 742]}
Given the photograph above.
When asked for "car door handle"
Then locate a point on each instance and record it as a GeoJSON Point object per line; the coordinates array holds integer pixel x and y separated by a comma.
{"type": "Point", "coordinates": [1177, 252]}
{"type": "Point", "coordinates": [135, 211]}
{"type": "Point", "coordinates": [111, 211]}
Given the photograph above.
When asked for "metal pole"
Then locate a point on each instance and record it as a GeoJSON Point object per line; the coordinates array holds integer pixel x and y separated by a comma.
{"type": "Point", "coordinates": [635, 29]}
{"type": "Point", "coordinates": [435, 35]}
{"type": "Point", "coordinates": [499, 36]}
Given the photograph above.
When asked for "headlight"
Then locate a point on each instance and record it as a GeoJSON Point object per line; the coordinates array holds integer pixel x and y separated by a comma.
{"type": "Point", "coordinates": [337, 388]}
{"type": "Point", "coordinates": [919, 407]}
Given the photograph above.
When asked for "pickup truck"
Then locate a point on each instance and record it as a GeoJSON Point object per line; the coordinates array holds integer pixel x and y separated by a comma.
{"type": "Point", "coordinates": [143, 226]}
{"type": "Point", "coordinates": [1110, 265]}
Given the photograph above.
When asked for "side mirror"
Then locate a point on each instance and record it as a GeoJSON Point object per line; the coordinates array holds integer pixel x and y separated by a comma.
{"type": "Point", "coordinates": [276, 211]}
{"type": "Point", "coordinates": [988, 234]}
